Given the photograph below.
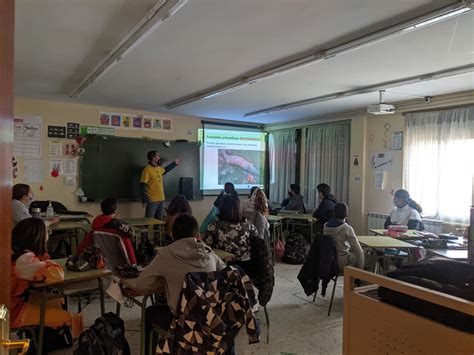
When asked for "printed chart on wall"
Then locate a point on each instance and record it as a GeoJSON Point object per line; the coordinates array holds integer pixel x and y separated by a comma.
{"type": "Point", "coordinates": [231, 154]}
{"type": "Point", "coordinates": [27, 137]}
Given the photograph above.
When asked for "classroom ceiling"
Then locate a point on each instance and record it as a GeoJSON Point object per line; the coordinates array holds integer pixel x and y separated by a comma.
{"type": "Point", "coordinates": [210, 42]}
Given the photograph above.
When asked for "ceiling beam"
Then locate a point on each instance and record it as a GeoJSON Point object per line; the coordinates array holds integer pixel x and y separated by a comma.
{"type": "Point", "coordinates": [404, 27]}
{"type": "Point", "coordinates": [367, 89]}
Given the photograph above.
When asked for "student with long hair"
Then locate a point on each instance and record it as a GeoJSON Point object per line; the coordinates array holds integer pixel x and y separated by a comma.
{"type": "Point", "coordinates": [406, 211]}
{"type": "Point", "coordinates": [255, 209]}
{"type": "Point", "coordinates": [230, 231]}
{"type": "Point", "coordinates": [177, 205]}
{"type": "Point", "coordinates": [30, 263]}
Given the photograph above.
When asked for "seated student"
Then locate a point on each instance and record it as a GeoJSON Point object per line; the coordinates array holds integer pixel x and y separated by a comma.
{"type": "Point", "coordinates": [107, 222]}
{"type": "Point", "coordinates": [186, 254]}
{"type": "Point", "coordinates": [22, 195]}
{"type": "Point", "coordinates": [294, 201]}
{"type": "Point", "coordinates": [255, 209]}
{"type": "Point", "coordinates": [325, 209]}
{"type": "Point", "coordinates": [232, 233]}
{"type": "Point", "coordinates": [229, 189]}
{"type": "Point", "coordinates": [349, 251]}
{"type": "Point", "coordinates": [30, 262]}
{"type": "Point", "coordinates": [177, 205]}
{"type": "Point", "coordinates": [406, 211]}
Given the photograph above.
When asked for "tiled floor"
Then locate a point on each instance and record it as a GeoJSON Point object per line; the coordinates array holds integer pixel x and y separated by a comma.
{"type": "Point", "coordinates": [297, 325]}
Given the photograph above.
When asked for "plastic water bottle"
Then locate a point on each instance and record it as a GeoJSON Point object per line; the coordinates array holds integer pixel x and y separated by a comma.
{"type": "Point", "coordinates": [49, 210]}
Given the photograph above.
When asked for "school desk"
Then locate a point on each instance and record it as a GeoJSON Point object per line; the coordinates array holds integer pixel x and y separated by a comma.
{"type": "Point", "coordinates": [131, 284]}
{"type": "Point", "coordinates": [299, 219]}
{"type": "Point", "coordinates": [74, 226]}
{"type": "Point", "coordinates": [382, 242]}
{"type": "Point", "coordinates": [70, 277]}
{"type": "Point", "coordinates": [150, 224]}
{"type": "Point", "coordinates": [454, 254]}
{"type": "Point", "coordinates": [276, 224]}
{"type": "Point", "coordinates": [409, 233]}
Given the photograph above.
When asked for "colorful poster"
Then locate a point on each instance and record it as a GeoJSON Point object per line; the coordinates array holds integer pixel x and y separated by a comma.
{"type": "Point", "coordinates": [116, 120]}
{"type": "Point", "coordinates": [137, 121]}
{"type": "Point", "coordinates": [147, 122]}
{"type": "Point", "coordinates": [157, 123]}
{"type": "Point", "coordinates": [104, 118]}
{"type": "Point", "coordinates": [126, 121]}
{"type": "Point", "coordinates": [166, 124]}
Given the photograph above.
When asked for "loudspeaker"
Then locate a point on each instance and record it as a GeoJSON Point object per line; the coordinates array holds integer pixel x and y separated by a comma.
{"type": "Point", "coordinates": [186, 187]}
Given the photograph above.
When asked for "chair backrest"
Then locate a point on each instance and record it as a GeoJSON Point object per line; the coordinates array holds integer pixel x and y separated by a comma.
{"type": "Point", "coordinates": [112, 248]}
{"type": "Point", "coordinates": [213, 306]}
{"type": "Point", "coordinates": [43, 205]}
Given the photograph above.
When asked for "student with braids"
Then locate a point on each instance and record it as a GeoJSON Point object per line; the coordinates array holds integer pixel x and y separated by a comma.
{"type": "Point", "coordinates": [406, 211]}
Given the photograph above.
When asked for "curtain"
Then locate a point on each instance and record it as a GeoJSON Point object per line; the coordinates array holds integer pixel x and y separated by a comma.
{"type": "Point", "coordinates": [439, 163]}
{"type": "Point", "coordinates": [282, 156]}
{"type": "Point", "coordinates": [327, 151]}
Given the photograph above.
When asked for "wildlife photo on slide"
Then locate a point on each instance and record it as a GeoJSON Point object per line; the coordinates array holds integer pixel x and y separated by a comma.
{"type": "Point", "coordinates": [240, 166]}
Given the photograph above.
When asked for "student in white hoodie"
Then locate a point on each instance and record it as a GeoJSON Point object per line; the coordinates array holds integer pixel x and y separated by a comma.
{"type": "Point", "coordinates": [172, 263]}
{"type": "Point", "coordinates": [349, 251]}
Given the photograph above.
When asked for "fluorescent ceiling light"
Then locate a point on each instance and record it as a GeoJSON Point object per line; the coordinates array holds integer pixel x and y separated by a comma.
{"type": "Point", "coordinates": [427, 19]}
{"type": "Point", "coordinates": [159, 13]}
{"type": "Point", "coordinates": [368, 89]}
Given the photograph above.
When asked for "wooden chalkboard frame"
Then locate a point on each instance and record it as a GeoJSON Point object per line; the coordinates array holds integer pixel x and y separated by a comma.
{"type": "Point", "coordinates": [111, 167]}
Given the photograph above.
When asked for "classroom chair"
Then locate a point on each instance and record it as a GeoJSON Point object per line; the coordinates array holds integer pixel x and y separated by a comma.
{"type": "Point", "coordinates": [334, 280]}
{"type": "Point", "coordinates": [112, 248]}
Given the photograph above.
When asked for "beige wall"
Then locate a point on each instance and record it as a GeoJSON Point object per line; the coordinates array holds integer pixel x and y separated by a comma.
{"type": "Point", "coordinates": [59, 113]}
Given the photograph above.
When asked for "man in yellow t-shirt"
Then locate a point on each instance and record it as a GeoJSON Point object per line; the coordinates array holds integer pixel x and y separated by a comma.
{"type": "Point", "coordinates": [151, 184]}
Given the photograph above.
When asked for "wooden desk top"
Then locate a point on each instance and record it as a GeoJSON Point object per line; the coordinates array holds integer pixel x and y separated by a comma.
{"type": "Point", "coordinates": [143, 221]}
{"type": "Point", "coordinates": [409, 233]}
{"type": "Point", "coordinates": [456, 254]}
{"type": "Point", "coordinates": [132, 284]}
{"type": "Point", "coordinates": [304, 216]}
{"type": "Point", "coordinates": [71, 224]}
{"type": "Point", "coordinates": [74, 276]}
{"type": "Point", "coordinates": [273, 219]}
{"type": "Point", "coordinates": [383, 242]}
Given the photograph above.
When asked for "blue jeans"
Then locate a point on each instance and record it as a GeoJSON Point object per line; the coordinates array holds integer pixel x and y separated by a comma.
{"type": "Point", "coordinates": [155, 209]}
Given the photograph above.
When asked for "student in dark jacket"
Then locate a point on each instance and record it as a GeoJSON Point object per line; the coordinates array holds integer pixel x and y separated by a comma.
{"type": "Point", "coordinates": [294, 201]}
{"type": "Point", "coordinates": [325, 210]}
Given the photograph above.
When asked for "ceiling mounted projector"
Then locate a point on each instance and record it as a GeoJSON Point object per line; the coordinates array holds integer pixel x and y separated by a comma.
{"type": "Point", "coordinates": [381, 108]}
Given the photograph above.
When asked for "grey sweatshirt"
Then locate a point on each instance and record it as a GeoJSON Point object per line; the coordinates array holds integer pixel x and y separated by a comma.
{"type": "Point", "coordinates": [173, 262]}
{"type": "Point", "coordinates": [349, 251]}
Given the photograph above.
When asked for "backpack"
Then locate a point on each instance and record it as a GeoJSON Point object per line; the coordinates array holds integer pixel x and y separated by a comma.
{"type": "Point", "coordinates": [54, 339]}
{"type": "Point", "coordinates": [105, 337]}
{"type": "Point", "coordinates": [295, 249]}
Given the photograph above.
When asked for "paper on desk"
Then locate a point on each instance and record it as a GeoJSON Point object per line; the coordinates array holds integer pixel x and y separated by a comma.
{"type": "Point", "coordinates": [115, 292]}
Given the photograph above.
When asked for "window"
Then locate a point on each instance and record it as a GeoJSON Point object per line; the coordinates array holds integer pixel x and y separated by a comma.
{"type": "Point", "coordinates": [439, 162]}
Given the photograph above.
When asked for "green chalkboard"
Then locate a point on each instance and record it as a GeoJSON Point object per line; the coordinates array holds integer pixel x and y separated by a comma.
{"type": "Point", "coordinates": [111, 167]}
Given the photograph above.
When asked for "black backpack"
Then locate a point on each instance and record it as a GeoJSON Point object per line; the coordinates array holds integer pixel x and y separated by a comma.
{"type": "Point", "coordinates": [295, 249]}
{"type": "Point", "coordinates": [105, 337]}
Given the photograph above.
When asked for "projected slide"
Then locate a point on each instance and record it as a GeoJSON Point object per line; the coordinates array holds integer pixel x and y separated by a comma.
{"type": "Point", "coordinates": [232, 156]}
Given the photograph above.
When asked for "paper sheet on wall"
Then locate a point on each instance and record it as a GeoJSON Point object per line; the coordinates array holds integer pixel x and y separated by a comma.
{"type": "Point", "coordinates": [55, 149]}
{"type": "Point", "coordinates": [379, 178]}
{"type": "Point", "coordinates": [70, 167]}
{"type": "Point", "coordinates": [27, 136]}
{"type": "Point", "coordinates": [56, 164]}
{"type": "Point", "coordinates": [33, 170]}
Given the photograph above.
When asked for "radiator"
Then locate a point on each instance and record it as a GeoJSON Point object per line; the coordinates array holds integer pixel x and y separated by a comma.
{"type": "Point", "coordinates": [376, 221]}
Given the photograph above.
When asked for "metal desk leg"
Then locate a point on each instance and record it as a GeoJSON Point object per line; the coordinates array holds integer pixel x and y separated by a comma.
{"type": "Point", "coordinates": [151, 233]}
{"type": "Point", "coordinates": [101, 291]}
{"type": "Point", "coordinates": [143, 330]}
{"type": "Point", "coordinates": [42, 317]}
